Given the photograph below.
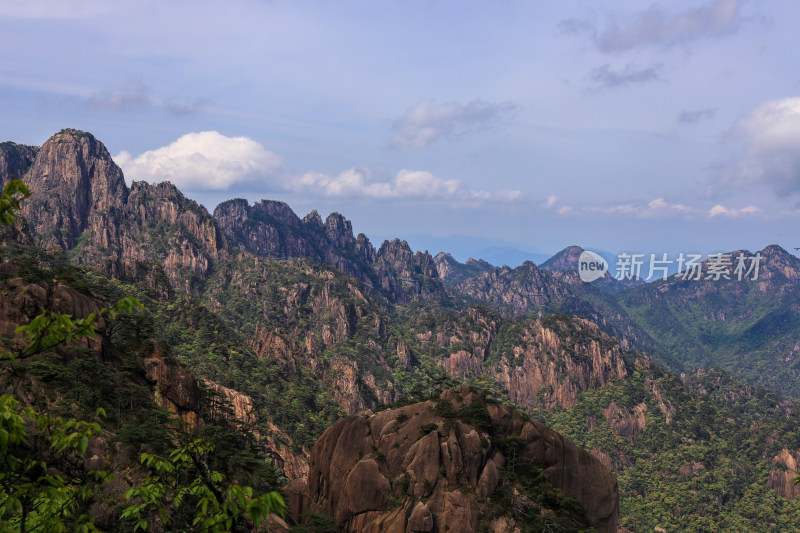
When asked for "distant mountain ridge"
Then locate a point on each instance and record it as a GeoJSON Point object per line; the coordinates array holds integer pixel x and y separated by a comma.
{"type": "Point", "coordinates": [452, 272]}
{"type": "Point", "coordinates": [82, 204]}
{"type": "Point", "coordinates": [567, 261]}
{"type": "Point", "coordinates": [271, 229]}
{"type": "Point", "coordinates": [153, 233]}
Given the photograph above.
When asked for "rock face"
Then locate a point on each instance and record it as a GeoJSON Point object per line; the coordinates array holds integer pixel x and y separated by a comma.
{"type": "Point", "coordinates": [566, 259]}
{"type": "Point", "coordinates": [276, 443]}
{"type": "Point", "coordinates": [271, 229]}
{"type": "Point", "coordinates": [435, 466]}
{"type": "Point", "coordinates": [310, 312]}
{"type": "Point", "coordinates": [15, 160]}
{"type": "Point", "coordinates": [545, 363]}
{"type": "Point", "coordinates": [159, 229]}
{"type": "Point", "coordinates": [80, 203]}
{"type": "Point", "coordinates": [452, 272]}
{"type": "Point", "coordinates": [20, 302]}
{"type": "Point", "coordinates": [174, 387]}
{"type": "Point", "coordinates": [518, 290]}
{"type": "Point", "coordinates": [781, 480]}
{"type": "Point", "coordinates": [72, 181]}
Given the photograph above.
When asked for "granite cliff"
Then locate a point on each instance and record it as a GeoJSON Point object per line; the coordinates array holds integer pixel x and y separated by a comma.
{"type": "Point", "coordinates": [271, 229]}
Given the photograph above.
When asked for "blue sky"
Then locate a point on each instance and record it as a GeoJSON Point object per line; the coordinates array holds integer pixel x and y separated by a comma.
{"type": "Point", "coordinates": [671, 126]}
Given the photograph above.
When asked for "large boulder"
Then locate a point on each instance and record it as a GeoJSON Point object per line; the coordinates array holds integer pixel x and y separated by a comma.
{"type": "Point", "coordinates": [454, 464]}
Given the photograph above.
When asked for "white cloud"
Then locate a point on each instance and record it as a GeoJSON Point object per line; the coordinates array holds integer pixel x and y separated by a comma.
{"type": "Point", "coordinates": [655, 209]}
{"type": "Point", "coordinates": [425, 122]}
{"type": "Point", "coordinates": [211, 161]}
{"type": "Point", "coordinates": [721, 210]}
{"type": "Point", "coordinates": [407, 184]}
{"type": "Point", "coordinates": [767, 147]}
{"type": "Point", "coordinates": [206, 160]}
{"type": "Point", "coordinates": [654, 27]}
{"type": "Point", "coordinates": [551, 203]}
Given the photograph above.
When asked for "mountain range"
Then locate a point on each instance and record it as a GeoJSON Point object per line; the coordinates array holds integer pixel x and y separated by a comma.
{"type": "Point", "coordinates": [683, 389]}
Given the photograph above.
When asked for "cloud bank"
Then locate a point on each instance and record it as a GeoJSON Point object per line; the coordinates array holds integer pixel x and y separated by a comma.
{"type": "Point", "coordinates": [210, 161]}
{"type": "Point", "coordinates": [721, 210]}
{"type": "Point", "coordinates": [767, 148]}
{"type": "Point", "coordinates": [655, 209]}
{"type": "Point", "coordinates": [660, 208]}
{"type": "Point", "coordinates": [207, 161]}
{"type": "Point", "coordinates": [407, 184]}
{"type": "Point", "coordinates": [427, 121]}
{"type": "Point", "coordinates": [654, 27]}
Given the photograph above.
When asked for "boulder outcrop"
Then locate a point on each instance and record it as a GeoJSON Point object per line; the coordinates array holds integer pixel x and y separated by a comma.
{"type": "Point", "coordinates": [447, 465]}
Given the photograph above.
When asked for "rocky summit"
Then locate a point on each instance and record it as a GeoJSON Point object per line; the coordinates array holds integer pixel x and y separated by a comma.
{"type": "Point", "coordinates": [453, 464]}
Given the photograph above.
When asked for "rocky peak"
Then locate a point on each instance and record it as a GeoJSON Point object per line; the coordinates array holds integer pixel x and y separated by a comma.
{"type": "Point", "coordinates": [365, 248]}
{"type": "Point", "coordinates": [397, 255]}
{"type": "Point", "coordinates": [445, 258]}
{"type": "Point", "coordinates": [777, 261]}
{"type": "Point", "coordinates": [425, 265]}
{"type": "Point", "coordinates": [565, 264]}
{"type": "Point", "coordinates": [235, 207]}
{"type": "Point", "coordinates": [566, 259]}
{"type": "Point", "coordinates": [15, 160]}
{"type": "Point", "coordinates": [441, 462]}
{"type": "Point", "coordinates": [280, 211]}
{"type": "Point", "coordinates": [452, 272]}
{"type": "Point", "coordinates": [339, 230]}
{"type": "Point", "coordinates": [232, 213]}
{"type": "Point", "coordinates": [80, 200]}
{"type": "Point", "coordinates": [478, 263]}
{"type": "Point", "coordinates": [446, 265]}
{"type": "Point", "coordinates": [72, 177]}
{"type": "Point", "coordinates": [313, 219]}
{"type": "Point", "coordinates": [518, 290]}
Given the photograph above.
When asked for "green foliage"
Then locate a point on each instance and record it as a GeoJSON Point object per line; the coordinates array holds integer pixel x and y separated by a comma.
{"type": "Point", "coordinates": [427, 428]}
{"type": "Point", "coordinates": [33, 494]}
{"type": "Point", "coordinates": [74, 132]}
{"type": "Point", "coordinates": [735, 325]}
{"type": "Point", "coordinates": [13, 192]}
{"type": "Point", "coordinates": [188, 496]}
{"type": "Point", "coordinates": [316, 523]}
{"type": "Point", "coordinates": [42, 485]}
{"type": "Point", "coordinates": [48, 330]}
{"type": "Point", "coordinates": [543, 508]}
{"type": "Point", "coordinates": [705, 470]}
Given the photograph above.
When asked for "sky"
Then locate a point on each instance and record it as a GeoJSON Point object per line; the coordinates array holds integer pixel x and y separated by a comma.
{"type": "Point", "coordinates": [517, 125]}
